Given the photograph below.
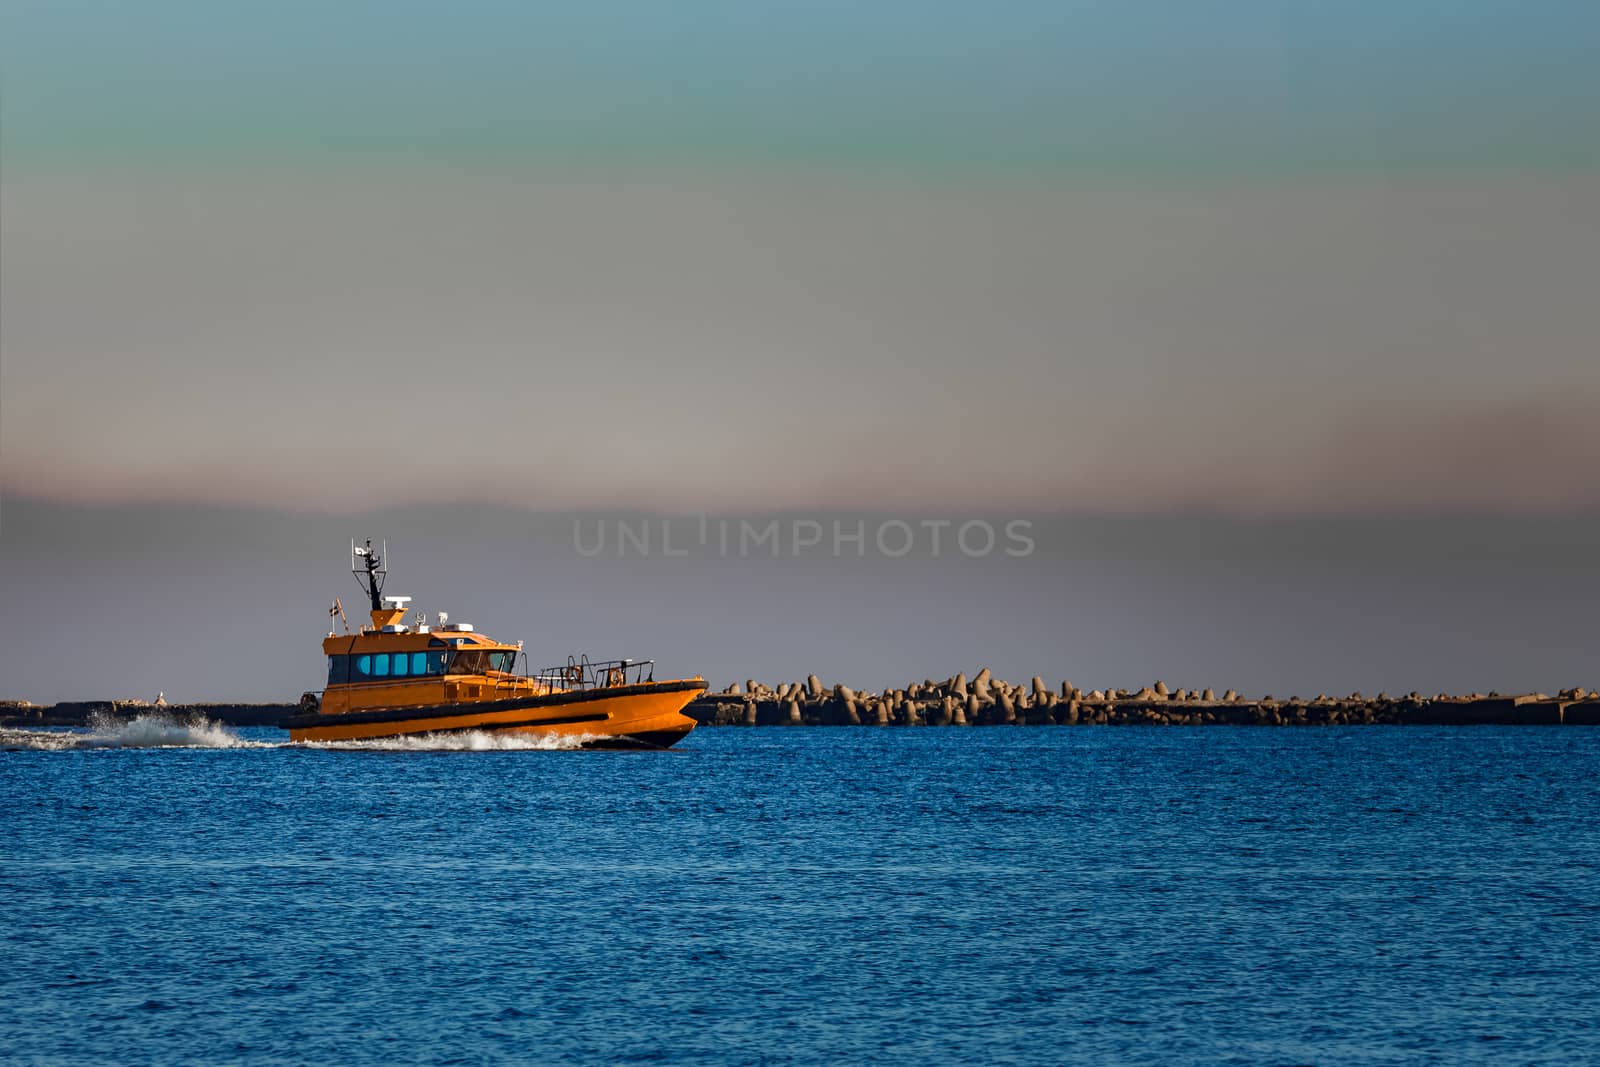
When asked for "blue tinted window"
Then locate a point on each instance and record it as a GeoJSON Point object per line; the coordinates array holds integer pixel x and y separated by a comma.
{"type": "Point", "coordinates": [364, 666]}
{"type": "Point", "coordinates": [399, 669]}
{"type": "Point", "coordinates": [419, 663]}
{"type": "Point", "coordinates": [338, 669]}
{"type": "Point", "coordinates": [381, 664]}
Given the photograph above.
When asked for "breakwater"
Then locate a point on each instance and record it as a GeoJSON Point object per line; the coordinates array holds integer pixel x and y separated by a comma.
{"type": "Point", "coordinates": [982, 700]}
{"type": "Point", "coordinates": [82, 712]}
{"type": "Point", "coordinates": [985, 700]}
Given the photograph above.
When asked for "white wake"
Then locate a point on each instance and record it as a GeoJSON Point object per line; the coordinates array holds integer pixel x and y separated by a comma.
{"type": "Point", "coordinates": [152, 730]}
{"type": "Point", "coordinates": [148, 730]}
{"type": "Point", "coordinates": [465, 741]}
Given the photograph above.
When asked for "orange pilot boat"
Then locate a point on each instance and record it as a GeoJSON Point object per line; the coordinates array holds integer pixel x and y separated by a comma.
{"type": "Point", "coordinates": [392, 679]}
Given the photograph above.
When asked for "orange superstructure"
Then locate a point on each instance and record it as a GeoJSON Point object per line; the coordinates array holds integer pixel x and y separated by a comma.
{"type": "Point", "coordinates": [391, 679]}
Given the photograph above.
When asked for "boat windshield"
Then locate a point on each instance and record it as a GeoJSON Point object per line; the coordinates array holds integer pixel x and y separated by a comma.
{"type": "Point", "coordinates": [473, 661]}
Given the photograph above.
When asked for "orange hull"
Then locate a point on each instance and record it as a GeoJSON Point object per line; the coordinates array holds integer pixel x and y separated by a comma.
{"type": "Point", "coordinates": [648, 715]}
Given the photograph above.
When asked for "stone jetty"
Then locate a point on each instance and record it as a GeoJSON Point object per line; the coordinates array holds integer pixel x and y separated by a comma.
{"type": "Point", "coordinates": [80, 712]}
{"type": "Point", "coordinates": [984, 700]}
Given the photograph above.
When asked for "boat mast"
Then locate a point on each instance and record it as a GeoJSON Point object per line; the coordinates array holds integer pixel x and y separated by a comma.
{"type": "Point", "coordinates": [369, 571]}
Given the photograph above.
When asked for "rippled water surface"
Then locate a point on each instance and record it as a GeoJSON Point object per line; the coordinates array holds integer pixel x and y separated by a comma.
{"type": "Point", "coordinates": [1018, 895]}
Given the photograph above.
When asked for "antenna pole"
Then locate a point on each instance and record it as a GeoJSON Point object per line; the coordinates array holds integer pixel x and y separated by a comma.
{"type": "Point", "coordinates": [370, 576]}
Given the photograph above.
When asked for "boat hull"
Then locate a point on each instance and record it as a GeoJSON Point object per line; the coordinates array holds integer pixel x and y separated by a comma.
{"type": "Point", "coordinates": [647, 715]}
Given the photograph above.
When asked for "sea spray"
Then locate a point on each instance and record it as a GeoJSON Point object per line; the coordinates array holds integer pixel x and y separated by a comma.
{"type": "Point", "coordinates": [149, 730]}
{"type": "Point", "coordinates": [146, 730]}
{"type": "Point", "coordinates": [160, 731]}
{"type": "Point", "coordinates": [462, 741]}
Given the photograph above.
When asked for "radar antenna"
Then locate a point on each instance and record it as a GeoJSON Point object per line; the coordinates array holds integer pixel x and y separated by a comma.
{"type": "Point", "coordinates": [366, 563]}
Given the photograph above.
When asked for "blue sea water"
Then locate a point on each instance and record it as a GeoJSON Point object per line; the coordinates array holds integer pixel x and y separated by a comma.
{"type": "Point", "coordinates": [1043, 895]}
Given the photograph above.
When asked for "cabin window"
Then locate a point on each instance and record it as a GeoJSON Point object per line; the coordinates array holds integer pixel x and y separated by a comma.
{"type": "Point", "coordinates": [469, 662]}
{"type": "Point", "coordinates": [474, 661]}
{"type": "Point", "coordinates": [385, 665]}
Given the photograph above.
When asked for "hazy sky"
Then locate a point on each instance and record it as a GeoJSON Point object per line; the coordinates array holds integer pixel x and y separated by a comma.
{"type": "Point", "coordinates": [1247, 257]}
{"type": "Point", "coordinates": [225, 603]}
{"type": "Point", "coordinates": [304, 271]}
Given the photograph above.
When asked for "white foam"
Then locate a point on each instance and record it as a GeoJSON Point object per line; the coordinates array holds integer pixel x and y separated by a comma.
{"type": "Point", "coordinates": [161, 731]}
{"type": "Point", "coordinates": [143, 731]}
{"type": "Point", "coordinates": [464, 741]}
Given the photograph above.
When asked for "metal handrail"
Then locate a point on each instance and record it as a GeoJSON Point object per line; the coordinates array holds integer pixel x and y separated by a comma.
{"type": "Point", "coordinates": [584, 673]}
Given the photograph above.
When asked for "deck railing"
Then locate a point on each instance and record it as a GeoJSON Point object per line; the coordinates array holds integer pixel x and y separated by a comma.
{"type": "Point", "coordinates": [584, 673]}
